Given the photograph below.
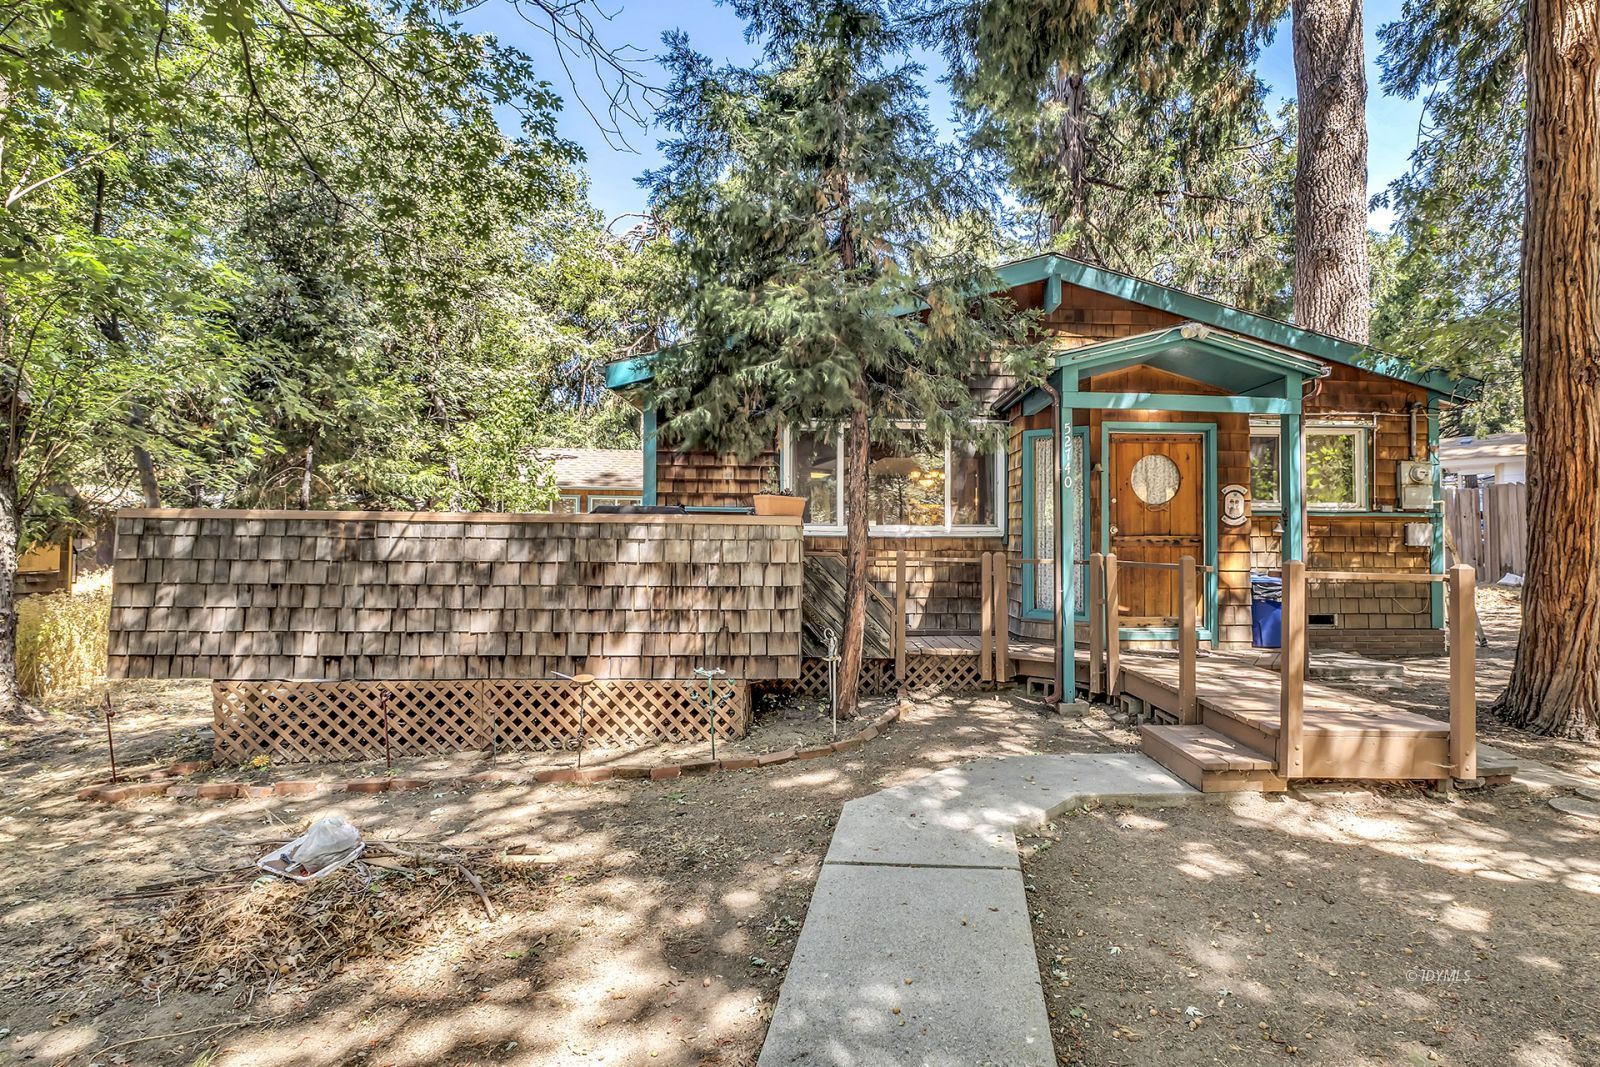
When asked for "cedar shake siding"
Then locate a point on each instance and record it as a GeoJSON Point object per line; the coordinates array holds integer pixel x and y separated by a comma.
{"type": "Point", "coordinates": [391, 596]}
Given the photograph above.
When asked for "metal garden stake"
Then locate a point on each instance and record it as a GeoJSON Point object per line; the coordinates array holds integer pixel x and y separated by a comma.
{"type": "Point", "coordinates": [111, 747]}
{"type": "Point", "coordinates": [582, 681]}
{"type": "Point", "coordinates": [713, 701]}
{"type": "Point", "coordinates": [833, 677]}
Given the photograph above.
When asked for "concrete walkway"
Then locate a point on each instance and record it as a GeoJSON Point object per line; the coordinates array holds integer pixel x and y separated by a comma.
{"type": "Point", "coordinates": [917, 948]}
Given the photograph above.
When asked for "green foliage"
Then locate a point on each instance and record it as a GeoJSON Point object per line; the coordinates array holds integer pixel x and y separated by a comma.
{"type": "Point", "coordinates": [1156, 159]}
{"type": "Point", "coordinates": [801, 199]}
{"type": "Point", "coordinates": [237, 232]}
{"type": "Point", "coordinates": [1453, 297]}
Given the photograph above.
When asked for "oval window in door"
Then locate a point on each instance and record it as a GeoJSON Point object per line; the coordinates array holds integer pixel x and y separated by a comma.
{"type": "Point", "coordinates": [1155, 479]}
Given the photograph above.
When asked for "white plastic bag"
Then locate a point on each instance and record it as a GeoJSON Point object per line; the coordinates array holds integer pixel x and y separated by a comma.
{"type": "Point", "coordinates": [328, 845]}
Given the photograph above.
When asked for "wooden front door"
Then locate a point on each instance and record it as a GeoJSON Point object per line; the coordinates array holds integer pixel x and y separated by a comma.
{"type": "Point", "coordinates": [1158, 515]}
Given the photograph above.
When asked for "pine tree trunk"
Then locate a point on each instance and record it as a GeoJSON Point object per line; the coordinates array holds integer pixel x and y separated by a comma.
{"type": "Point", "coordinates": [857, 457]}
{"type": "Point", "coordinates": [1555, 684]}
{"type": "Point", "coordinates": [1331, 284]}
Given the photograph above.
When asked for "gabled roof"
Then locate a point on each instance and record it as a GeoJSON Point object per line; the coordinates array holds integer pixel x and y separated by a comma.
{"type": "Point", "coordinates": [595, 468]}
{"type": "Point", "coordinates": [1053, 270]}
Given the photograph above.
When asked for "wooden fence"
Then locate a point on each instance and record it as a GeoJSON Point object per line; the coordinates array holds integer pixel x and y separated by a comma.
{"type": "Point", "coordinates": [1488, 529]}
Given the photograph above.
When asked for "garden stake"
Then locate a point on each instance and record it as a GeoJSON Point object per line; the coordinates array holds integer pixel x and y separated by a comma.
{"type": "Point", "coordinates": [111, 747]}
{"type": "Point", "coordinates": [833, 677]}
{"type": "Point", "coordinates": [711, 701]}
{"type": "Point", "coordinates": [582, 681]}
{"type": "Point", "coordinates": [383, 708]}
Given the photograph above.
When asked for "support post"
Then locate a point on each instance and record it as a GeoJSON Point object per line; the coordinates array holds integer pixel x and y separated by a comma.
{"type": "Point", "coordinates": [1188, 650]}
{"type": "Point", "coordinates": [1002, 630]}
{"type": "Point", "coordinates": [1463, 672]}
{"type": "Point", "coordinates": [1097, 624]}
{"type": "Point", "coordinates": [1292, 672]}
{"type": "Point", "coordinates": [900, 616]}
{"type": "Point", "coordinates": [986, 613]}
{"type": "Point", "coordinates": [1113, 629]}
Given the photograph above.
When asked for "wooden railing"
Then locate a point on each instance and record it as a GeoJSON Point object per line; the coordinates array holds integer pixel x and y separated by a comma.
{"type": "Point", "coordinates": [1105, 643]}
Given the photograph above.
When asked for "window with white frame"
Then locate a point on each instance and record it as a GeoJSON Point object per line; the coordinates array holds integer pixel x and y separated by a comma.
{"type": "Point", "coordinates": [1336, 466]}
{"type": "Point", "coordinates": [912, 487]}
{"type": "Point", "coordinates": [613, 501]}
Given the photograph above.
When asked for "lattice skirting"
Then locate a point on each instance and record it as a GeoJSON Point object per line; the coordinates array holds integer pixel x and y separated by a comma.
{"type": "Point", "coordinates": [309, 721]}
{"type": "Point", "coordinates": [958, 674]}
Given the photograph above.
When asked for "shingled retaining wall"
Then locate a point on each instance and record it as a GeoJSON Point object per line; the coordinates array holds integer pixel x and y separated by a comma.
{"type": "Point", "coordinates": [232, 595]}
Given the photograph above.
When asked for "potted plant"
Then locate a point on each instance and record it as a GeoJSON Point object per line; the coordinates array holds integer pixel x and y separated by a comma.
{"type": "Point", "coordinates": [774, 499]}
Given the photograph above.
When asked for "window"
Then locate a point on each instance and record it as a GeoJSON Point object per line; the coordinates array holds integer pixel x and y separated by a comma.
{"type": "Point", "coordinates": [912, 487]}
{"type": "Point", "coordinates": [1336, 466]}
{"type": "Point", "coordinates": [1264, 468]}
{"type": "Point", "coordinates": [566, 504]}
{"type": "Point", "coordinates": [613, 501]}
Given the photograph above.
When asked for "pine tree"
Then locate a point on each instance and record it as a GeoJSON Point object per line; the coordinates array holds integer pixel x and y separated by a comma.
{"type": "Point", "coordinates": [1136, 132]}
{"type": "Point", "coordinates": [802, 198]}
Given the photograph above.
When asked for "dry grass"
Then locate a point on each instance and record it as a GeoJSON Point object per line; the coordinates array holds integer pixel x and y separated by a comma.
{"type": "Point", "coordinates": [61, 639]}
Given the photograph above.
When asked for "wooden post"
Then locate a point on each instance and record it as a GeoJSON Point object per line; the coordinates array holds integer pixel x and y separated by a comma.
{"type": "Point", "coordinates": [1097, 632]}
{"type": "Point", "coordinates": [1113, 629]}
{"type": "Point", "coordinates": [1463, 672]}
{"type": "Point", "coordinates": [1291, 672]}
{"type": "Point", "coordinates": [1002, 630]}
{"type": "Point", "coordinates": [1188, 650]}
{"type": "Point", "coordinates": [900, 616]}
{"type": "Point", "coordinates": [986, 625]}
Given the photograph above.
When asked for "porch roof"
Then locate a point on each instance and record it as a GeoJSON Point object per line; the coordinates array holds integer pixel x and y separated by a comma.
{"type": "Point", "coordinates": [1237, 364]}
{"type": "Point", "coordinates": [1054, 270]}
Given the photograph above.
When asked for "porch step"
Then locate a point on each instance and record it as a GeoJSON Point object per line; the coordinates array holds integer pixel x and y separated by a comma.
{"type": "Point", "coordinates": [1208, 760]}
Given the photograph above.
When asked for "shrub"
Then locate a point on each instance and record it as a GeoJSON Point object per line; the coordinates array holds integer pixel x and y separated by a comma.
{"type": "Point", "coordinates": [61, 640]}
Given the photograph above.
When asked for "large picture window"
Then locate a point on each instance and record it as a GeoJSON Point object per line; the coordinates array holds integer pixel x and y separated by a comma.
{"type": "Point", "coordinates": [1336, 466]}
{"type": "Point", "coordinates": [912, 487]}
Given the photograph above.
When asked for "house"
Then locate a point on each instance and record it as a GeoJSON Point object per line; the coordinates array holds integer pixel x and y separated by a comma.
{"type": "Point", "coordinates": [590, 478]}
{"type": "Point", "coordinates": [1172, 426]}
{"type": "Point", "coordinates": [1494, 459]}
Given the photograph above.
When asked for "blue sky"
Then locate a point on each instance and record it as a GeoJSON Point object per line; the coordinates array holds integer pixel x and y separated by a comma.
{"type": "Point", "coordinates": [715, 31]}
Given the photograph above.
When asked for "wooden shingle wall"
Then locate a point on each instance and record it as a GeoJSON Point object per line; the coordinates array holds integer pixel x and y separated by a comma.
{"type": "Point", "coordinates": [380, 595]}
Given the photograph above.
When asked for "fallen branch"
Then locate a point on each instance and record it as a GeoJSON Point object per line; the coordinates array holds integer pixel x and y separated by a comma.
{"type": "Point", "coordinates": [188, 1033]}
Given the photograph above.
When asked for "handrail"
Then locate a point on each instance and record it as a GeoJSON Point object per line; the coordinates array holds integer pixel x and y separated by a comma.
{"type": "Point", "coordinates": [1373, 576]}
{"type": "Point", "coordinates": [1165, 566]}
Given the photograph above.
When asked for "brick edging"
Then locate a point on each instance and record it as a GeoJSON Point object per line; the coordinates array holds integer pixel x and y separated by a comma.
{"type": "Point", "coordinates": [159, 782]}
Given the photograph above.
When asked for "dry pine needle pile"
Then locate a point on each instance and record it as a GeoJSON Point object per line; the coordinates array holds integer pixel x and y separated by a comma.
{"type": "Point", "coordinates": [263, 931]}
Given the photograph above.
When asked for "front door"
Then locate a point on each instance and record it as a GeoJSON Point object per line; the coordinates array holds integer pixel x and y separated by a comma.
{"type": "Point", "coordinates": [1158, 515]}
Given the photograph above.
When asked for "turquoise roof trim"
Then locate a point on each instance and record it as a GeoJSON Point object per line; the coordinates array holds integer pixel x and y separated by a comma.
{"type": "Point", "coordinates": [627, 372]}
{"type": "Point", "coordinates": [1210, 312]}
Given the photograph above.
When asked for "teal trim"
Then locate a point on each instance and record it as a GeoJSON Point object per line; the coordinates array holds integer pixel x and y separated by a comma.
{"type": "Point", "coordinates": [1436, 522]}
{"type": "Point", "coordinates": [1035, 401]}
{"type": "Point", "coordinates": [1052, 293]}
{"type": "Point", "coordinates": [1209, 405]}
{"type": "Point", "coordinates": [1159, 633]}
{"type": "Point", "coordinates": [1212, 313]}
{"type": "Point", "coordinates": [1191, 341]}
{"type": "Point", "coordinates": [1081, 577]}
{"type": "Point", "coordinates": [648, 439]}
{"type": "Point", "coordinates": [1029, 542]}
{"type": "Point", "coordinates": [1291, 488]}
{"type": "Point", "coordinates": [1208, 430]}
{"type": "Point", "coordinates": [627, 372]}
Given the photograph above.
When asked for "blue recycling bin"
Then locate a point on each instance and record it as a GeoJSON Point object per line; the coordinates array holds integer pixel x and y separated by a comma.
{"type": "Point", "coordinates": [1266, 611]}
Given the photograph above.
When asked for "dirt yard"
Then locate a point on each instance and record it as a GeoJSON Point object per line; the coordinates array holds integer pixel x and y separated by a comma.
{"type": "Point", "coordinates": [643, 922]}
{"type": "Point", "coordinates": [1347, 927]}
{"type": "Point", "coordinates": [656, 930]}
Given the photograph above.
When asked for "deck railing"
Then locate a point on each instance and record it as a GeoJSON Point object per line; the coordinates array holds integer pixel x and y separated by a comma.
{"type": "Point", "coordinates": [1105, 643]}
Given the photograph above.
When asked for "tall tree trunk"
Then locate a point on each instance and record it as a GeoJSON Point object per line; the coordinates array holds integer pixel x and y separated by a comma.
{"type": "Point", "coordinates": [1072, 161]}
{"type": "Point", "coordinates": [14, 398]}
{"type": "Point", "coordinates": [857, 446]}
{"type": "Point", "coordinates": [1331, 284]}
{"type": "Point", "coordinates": [1555, 684]}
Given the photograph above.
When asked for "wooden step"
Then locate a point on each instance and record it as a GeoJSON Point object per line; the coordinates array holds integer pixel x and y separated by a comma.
{"type": "Point", "coordinates": [1210, 761]}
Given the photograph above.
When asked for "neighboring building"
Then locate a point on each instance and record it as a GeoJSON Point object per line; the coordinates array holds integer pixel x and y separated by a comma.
{"type": "Point", "coordinates": [1177, 413]}
{"type": "Point", "coordinates": [590, 478]}
{"type": "Point", "coordinates": [1494, 459]}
